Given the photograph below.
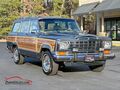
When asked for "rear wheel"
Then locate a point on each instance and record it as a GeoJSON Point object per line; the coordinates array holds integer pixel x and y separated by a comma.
{"type": "Point", "coordinates": [10, 48]}
{"type": "Point", "coordinates": [49, 66]}
{"type": "Point", "coordinates": [17, 57]}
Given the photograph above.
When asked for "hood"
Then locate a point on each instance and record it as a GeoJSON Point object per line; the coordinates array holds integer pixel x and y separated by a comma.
{"type": "Point", "coordinates": [68, 36]}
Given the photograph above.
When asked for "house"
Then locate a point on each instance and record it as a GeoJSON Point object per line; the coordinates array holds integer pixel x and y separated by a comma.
{"type": "Point", "coordinates": [107, 15]}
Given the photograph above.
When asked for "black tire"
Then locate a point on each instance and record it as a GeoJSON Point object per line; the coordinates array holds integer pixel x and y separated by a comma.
{"type": "Point", "coordinates": [49, 66]}
{"type": "Point", "coordinates": [61, 65]}
{"type": "Point", "coordinates": [97, 68]}
{"type": "Point", "coordinates": [17, 57]}
{"type": "Point", "coordinates": [10, 48]}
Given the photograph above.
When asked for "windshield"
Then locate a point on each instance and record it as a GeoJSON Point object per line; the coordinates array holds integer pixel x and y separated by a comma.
{"type": "Point", "coordinates": [59, 26]}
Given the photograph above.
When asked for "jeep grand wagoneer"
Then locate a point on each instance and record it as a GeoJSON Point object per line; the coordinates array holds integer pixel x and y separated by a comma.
{"type": "Point", "coordinates": [55, 41]}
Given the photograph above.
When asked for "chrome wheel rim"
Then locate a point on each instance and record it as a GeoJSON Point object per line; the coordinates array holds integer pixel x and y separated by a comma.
{"type": "Point", "coordinates": [46, 63]}
{"type": "Point", "coordinates": [16, 55]}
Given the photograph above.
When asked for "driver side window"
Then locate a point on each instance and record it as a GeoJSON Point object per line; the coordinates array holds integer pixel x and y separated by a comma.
{"type": "Point", "coordinates": [34, 26]}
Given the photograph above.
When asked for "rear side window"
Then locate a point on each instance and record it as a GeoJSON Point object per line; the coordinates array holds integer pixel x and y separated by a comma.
{"type": "Point", "coordinates": [16, 27]}
{"type": "Point", "coordinates": [25, 26]}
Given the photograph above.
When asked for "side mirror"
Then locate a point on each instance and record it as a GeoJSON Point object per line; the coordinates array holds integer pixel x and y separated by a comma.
{"type": "Point", "coordinates": [85, 32]}
{"type": "Point", "coordinates": [34, 32]}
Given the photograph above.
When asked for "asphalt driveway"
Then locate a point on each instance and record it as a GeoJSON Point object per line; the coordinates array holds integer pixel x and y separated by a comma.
{"type": "Point", "coordinates": [74, 77]}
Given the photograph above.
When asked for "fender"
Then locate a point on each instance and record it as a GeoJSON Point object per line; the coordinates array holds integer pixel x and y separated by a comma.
{"type": "Point", "coordinates": [44, 46]}
{"type": "Point", "coordinates": [11, 44]}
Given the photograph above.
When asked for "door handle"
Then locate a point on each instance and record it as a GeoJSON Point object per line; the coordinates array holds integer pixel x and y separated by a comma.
{"type": "Point", "coordinates": [27, 34]}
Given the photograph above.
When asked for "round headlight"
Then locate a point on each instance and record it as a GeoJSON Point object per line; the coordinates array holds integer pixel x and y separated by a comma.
{"type": "Point", "coordinates": [63, 45]}
{"type": "Point", "coordinates": [107, 44]}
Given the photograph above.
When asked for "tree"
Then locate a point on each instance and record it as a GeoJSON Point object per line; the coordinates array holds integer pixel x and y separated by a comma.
{"type": "Point", "coordinates": [13, 9]}
{"type": "Point", "coordinates": [9, 11]}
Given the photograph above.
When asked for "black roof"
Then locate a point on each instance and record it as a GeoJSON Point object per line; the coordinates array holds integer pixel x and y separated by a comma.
{"type": "Point", "coordinates": [38, 18]}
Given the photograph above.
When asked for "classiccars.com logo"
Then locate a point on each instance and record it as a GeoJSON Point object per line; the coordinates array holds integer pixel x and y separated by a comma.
{"type": "Point", "coordinates": [17, 80]}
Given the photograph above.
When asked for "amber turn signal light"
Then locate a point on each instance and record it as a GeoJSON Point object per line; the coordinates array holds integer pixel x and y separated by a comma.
{"type": "Point", "coordinates": [61, 53]}
{"type": "Point", "coordinates": [106, 51]}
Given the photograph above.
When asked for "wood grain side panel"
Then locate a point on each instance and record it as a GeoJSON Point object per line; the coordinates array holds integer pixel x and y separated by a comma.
{"type": "Point", "coordinates": [28, 43]}
{"type": "Point", "coordinates": [31, 43]}
{"type": "Point", "coordinates": [11, 38]}
{"type": "Point", "coordinates": [42, 41]}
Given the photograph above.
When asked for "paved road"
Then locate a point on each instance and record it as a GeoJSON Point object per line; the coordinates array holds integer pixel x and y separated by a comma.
{"type": "Point", "coordinates": [73, 78]}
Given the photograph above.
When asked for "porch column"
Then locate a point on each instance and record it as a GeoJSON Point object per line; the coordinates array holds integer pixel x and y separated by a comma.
{"type": "Point", "coordinates": [81, 23]}
{"type": "Point", "coordinates": [102, 24]}
{"type": "Point", "coordinates": [98, 23]}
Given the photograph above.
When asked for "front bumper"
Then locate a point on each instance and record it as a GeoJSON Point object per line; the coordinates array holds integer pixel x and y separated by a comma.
{"type": "Point", "coordinates": [109, 56]}
{"type": "Point", "coordinates": [78, 57]}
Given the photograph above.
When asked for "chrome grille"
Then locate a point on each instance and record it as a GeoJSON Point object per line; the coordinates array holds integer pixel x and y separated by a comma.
{"type": "Point", "coordinates": [86, 46]}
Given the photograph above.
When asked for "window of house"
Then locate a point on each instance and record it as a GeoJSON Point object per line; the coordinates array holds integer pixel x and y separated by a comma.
{"type": "Point", "coordinates": [118, 30]}
{"type": "Point", "coordinates": [113, 25]}
{"type": "Point", "coordinates": [108, 25]}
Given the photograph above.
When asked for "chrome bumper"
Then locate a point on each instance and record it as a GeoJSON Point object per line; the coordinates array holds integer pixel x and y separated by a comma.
{"type": "Point", "coordinates": [109, 56]}
{"type": "Point", "coordinates": [77, 57]}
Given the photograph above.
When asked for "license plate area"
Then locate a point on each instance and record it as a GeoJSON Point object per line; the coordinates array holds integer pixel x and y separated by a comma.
{"type": "Point", "coordinates": [89, 58]}
{"type": "Point", "coordinates": [75, 50]}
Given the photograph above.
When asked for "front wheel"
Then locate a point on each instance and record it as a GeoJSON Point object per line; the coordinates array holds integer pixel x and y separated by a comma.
{"type": "Point", "coordinates": [97, 68]}
{"type": "Point", "coordinates": [17, 57]}
{"type": "Point", "coordinates": [49, 66]}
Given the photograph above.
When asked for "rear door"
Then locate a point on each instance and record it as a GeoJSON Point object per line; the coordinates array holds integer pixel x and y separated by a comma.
{"type": "Point", "coordinates": [22, 39]}
{"type": "Point", "coordinates": [12, 36]}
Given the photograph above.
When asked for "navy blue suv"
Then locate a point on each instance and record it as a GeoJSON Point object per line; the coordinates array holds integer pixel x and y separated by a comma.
{"type": "Point", "coordinates": [55, 41]}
